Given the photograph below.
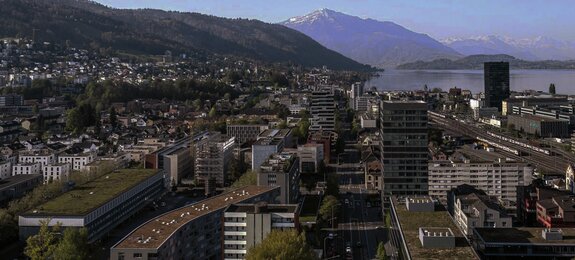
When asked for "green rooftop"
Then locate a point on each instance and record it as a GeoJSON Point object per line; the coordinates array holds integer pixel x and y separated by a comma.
{"type": "Point", "coordinates": [440, 218]}
{"type": "Point", "coordinates": [84, 198]}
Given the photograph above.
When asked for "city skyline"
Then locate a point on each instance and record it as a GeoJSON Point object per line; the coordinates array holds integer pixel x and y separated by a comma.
{"type": "Point", "coordinates": [440, 19]}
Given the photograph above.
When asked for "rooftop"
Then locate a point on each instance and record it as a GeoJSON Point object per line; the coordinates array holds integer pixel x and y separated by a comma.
{"type": "Point", "coordinates": [8, 182]}
{"type": "Point", "coordinates": [537, 118]}
{"type": "Point", "coordinates": [158, 230]}
{"type": "Point", "coordinates": [523, 235]}
{"type": "Point", "coordinates": [84, 198]}
{"type": "Point", "coordinates": [412, 221]}
{"type": "Point", "coordinates": [269, 208]}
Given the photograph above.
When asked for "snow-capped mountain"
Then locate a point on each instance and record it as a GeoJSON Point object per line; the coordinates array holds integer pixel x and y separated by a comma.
{"type": "Point", "coordinates": [382, 44]}
{"type": "Point", "coordinates": [538, 48]}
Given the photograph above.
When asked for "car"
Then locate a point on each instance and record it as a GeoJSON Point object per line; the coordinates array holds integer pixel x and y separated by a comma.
{"type": "Point", "coordinates": [348, 249]}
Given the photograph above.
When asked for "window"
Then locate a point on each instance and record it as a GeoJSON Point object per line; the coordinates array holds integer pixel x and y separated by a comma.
{"type": "Point", "coordinates": [137, 255]}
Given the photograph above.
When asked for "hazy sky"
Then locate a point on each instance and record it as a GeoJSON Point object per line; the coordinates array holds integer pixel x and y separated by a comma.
{"type": "Point", "coordinates": [438, 18]}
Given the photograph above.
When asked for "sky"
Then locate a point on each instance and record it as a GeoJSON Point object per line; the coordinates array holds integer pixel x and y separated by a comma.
{"type": "Point", "coordinates": [438, 18]}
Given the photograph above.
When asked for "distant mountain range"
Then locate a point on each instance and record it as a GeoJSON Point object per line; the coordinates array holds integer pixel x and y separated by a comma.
{"type": "Point", "coordinates": [86, 24]}
{"type": "Point", "coordinates": [381, 44]}
{"type": "Point", "coordinates": [538, 48]}
{"type": "Point", "coordinates": [475, 62]}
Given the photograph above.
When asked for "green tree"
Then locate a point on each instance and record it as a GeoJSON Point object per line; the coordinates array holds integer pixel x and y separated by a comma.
{"type": "Point", "coordinates": [329, 208]}
{"type": "Point", "coordinates": [113, 117]}
{"type": "Point", "coordinates": [332, 185]}
{"type": "Point", "coordinates": [381, 254]}
{"type": "Point", "coordinates": [74, 245]}
{"type": "Point", "coordinates": [213, 112]}
{"type": "Point", "coordinates": [282, 245]}
{"type": "Point", "coordinates": [197, 104]}
{"type": "Point", "coordinates": [552, 89]}
{"type": "Point", "coordinates": [248, 178]}
{"type": "Point", "coordinates": [42, 245]}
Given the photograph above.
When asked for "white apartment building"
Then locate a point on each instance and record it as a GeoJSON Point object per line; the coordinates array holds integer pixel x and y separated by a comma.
{"type": "Point", "coordinates": [477, 211]}
{"type": "Point", "coordinates": [26, 168]}
{"type": "Point", "coordinates": [56, 172]}
{"type": "Point", "coordinates": [78, 161]}
{"type": "Point", "coordinates": [5, 169]}
{"type": "Point", "coordinates": [481, 169]}
{"type": "Point", "coordinates": [310, 157]}
{"type": "Point", "coordinates": [246, 225]}
{"type": "Point", "coordinates": [43, 157]}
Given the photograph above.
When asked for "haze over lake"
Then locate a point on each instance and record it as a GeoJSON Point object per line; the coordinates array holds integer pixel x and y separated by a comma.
{"type": "Point", "coordinates": [564, 80]}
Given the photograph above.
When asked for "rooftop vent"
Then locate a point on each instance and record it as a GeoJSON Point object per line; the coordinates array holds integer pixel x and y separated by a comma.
{"type": "Point", "coordinates": [552, 234]}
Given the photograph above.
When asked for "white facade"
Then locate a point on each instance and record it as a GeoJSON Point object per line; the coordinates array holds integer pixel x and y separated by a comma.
{"type": "Point", "coordinates": [78, 161]}
{"type": "Point", "coordinates": [44, 159]}
{"type": "Point", "coordinates": [5, 169]}
{"type": "Point", "coordinates": [472, 212]}
{"type": "Point", "coordinates": [56, 172]}
{"type": "Point", "coordinates": [499, 179]}
{"type": "Point", "coordinates": [27, 168]}
{"type": "Point", "coordinates": [310, 154]}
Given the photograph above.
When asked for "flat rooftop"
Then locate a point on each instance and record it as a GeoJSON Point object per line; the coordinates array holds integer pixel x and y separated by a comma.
{"type": "Point", "coordinates": [523, 235]}
{"type": "Point", "coordinates": [84, 198]}
{"type": "Point", "coordinates": [10, 181]}
{"type": "Point", "coordinates": [411, 222]}
{"type": "Point", "coordinates": [537, 118]}
{"type": "Point", "coordinates": [270, 208]}
{"type": "Point", "coordinates": [158, 230]}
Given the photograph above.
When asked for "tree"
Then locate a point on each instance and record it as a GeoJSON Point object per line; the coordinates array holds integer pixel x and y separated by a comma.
{"type": "Point", "coordinates": [381, 254]}
{"type": "Point", "coordinates": [213, 112]}
{"type": "Point", "coordinates": [113, 117]}
{"type": "Point", "coordinates": [332, 184]}
{"type": "Point", "coordinates": [552, 89]}
{"type": "Point", "coordinates": [73, 246]}
{"type": "Point", "coordinates": [248, 178]}
{"type": "Point", "coordinates": [282, 245]}
{"type": "Point", "coordinates": [42, 245]}
{"type": "Point", "coordinates": [329, 208]}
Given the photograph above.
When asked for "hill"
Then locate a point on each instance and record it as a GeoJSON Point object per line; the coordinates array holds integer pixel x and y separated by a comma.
{"type": "Point", "coordinates": [90, 25]}
{"type": "Point", "coordinates": [381, 44]}
{"type": "Point", "coordinates": [474, 62]}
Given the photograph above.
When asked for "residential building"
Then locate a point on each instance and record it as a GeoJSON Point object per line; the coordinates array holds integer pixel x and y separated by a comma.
{"type": "Point", "coordinates": [17, 186]}
{"type": "Point", "coordinates": [487, 171]}
{"type": "Point", "coordinates": [404, 149]}
{"type": "Point", "coordinates": [263, 148]}
{"type": "Point", "coordinates": [424, 229]}
{"type": "Point", "coordinates": [281, 170]}
{"type": "Point", "coordinates": [524, 243]}
{"type": "Point", "coordinates": [310, 157]}
{"type": "Point", "coordinates": [322, 109]}
{"type": "Point", "coordinates": [535, 101]}
{"type": "Point", "coordinates": [99, 205]}
{"type": "Point", "coordinates": [496, 77]}
{"type": "Point", "coordinates": [477, 210]}
{"type": "Point", "coordinates": [9, 131]}
{"type": "Point", "coordinates": [213, 154]}
{"type": "Point", "coordinates": [26, 168]}
{"type": "Point", "coordinates": [190, 232]}
{"type": "Point", "coordinates": [245, 133]}
{"type": "Point", "coordinates": [558, 211]}
{"type": "Point", "coordinates": [11, 100]}
{"type": "Point", "coordinates": [246, 225]}
{"type": "Point", "coordinates": [368, 121]}
{"type": "Point", "coordinates": [56, 172]}
{"type": "Point", "coordinates": [284, 134]}
{"type": "Point", "coordinates": [178, 164]}
{"type": "Point", "coordinates": [527, 198]}
{"type": "Point", "coordinates": [540, 126]}
{"type": "Point", "coordinates": [77, 161]}
{"type": "Point", "coordinates": [564, 113]}
{"type": "Point", "coordinates": [44, 157]}
{"type": "Point", "coordinates": [5, 169]}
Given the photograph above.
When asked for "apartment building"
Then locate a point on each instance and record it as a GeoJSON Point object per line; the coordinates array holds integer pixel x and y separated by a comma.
{"type": "Point", "coordinates": [322, 109]}
{"type": "Point", "coordinates": [246, 225]}
{"type": "Point", "coordinates": [5, 169]}
{"type": "Point", "coordinates": [476, 210]}
{"type": "Point", "coordinates": [44, 157]}
{"type": "Point", "coordinates": [79, 161]}
{"type": "Point", "coordinates": [263, 148]}
{"type": "Point", "coordinates": [26, 168]}
{"type": "Point", "coordinates": [310, 157]}
{"type": "Point", "coordinates": [213, 153]}
{"type": "Point", "coordinates": [245, 133]}
{"type": "Point", "coordinates": [56, 172]}
{"type": "Point", "coordinates": [281, 170]}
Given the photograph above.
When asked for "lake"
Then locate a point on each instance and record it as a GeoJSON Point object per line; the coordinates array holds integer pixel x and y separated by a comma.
{"type": "Point", "coordinates": [564, 80]}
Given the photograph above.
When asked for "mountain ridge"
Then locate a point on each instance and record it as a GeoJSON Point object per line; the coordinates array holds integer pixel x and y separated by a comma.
{"type": "Point", "coordinates": [91, 25]}
{"type": "Point", "coordinates": [475, 62]}
{"type": "Point", "coordinates": [378, 43]}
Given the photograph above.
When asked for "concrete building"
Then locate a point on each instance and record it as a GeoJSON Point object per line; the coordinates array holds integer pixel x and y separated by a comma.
{"type": "Point", "coordinates": [310, 157]}
{"type": "Point", "coordinates": [409, 237]}
{"type": "Point", "coordinates": [281, 170]}
{"type": "Point", "coordinates": [17, 186]}
{"type": "Point", "coordinates": [524, 243]}
{"type": "Point", "coordinates": [26, 168]}
{"type": "Point", "coordinates": [44, 157]}
{"type": "Point", "coordinates": [368, 121]}
{"type": "Point", "coordinates": [78, 161]}
{"type": "Point", "coordinates": [540, 126]}
{"type": "Point", "coordinates": [558, 211]}
{"type": "Point", "coordinates": [564, 113]}
{"type": "Point", "coordinates": [263, 148]}
{"type": "Point", "coordinates": [404, 149]}
{"type": "Point", "coordinates": [11, 100]}
{"type": "Point", "coordinates": [246, 225]}
{"type": "Point", "coordinates": [477, 210]}
{"type": "Point", "coordinates": [5, 169]}
{"type": "Point", "coordinates": [190, 232]}
{"type": "Point", "coordinates": [496, 76]}
{"type": "Point", "coordinates": [322, 109]}
{"type": "Point", "coordinates": [535, 101]}
{"type": "Point", "coordinates": [56, 172]}
{"type": "Point", "coordinates": [245, 133]}
{"type": "Point", "coordinates": [178, 164]}
{"type": "Point", "coordinates": [99, 205]}
{"type": "Point", "coordinates": [487, 171]}
{"type": "Point", "coordinates": [281, 134]}
{"type": "Point", "coordinates": [212, 156]}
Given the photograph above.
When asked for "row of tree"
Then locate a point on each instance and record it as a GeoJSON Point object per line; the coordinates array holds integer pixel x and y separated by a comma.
{"type": "Point", "coordinates": [52, 243]}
